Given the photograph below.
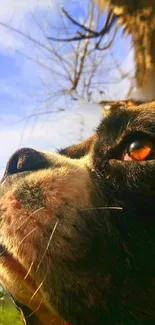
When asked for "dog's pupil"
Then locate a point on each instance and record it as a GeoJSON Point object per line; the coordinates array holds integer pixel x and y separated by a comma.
{"type": "Point", "coordinates": [140, 150]}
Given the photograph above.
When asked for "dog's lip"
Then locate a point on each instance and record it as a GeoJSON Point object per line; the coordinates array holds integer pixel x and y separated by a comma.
{"type": "Point", "coordinates": [18, 268]}
{"type": "Point", "coordinates": [4, 253]}
{"type": "Point", "coordinates": [21, 271]}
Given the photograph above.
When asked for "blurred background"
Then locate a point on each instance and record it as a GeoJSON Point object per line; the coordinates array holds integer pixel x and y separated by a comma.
{"type": "Point", "coordinates": [58, 61]}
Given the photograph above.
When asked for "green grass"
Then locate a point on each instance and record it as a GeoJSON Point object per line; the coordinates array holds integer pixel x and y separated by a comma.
{"type": "Point", "coordinates": [9, 315]}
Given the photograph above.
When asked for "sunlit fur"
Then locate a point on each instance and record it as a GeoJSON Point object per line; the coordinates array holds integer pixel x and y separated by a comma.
{"type": "Point", "coordinates": [31, 204]}
{"type": "Point", "coordinates": [77, 235]}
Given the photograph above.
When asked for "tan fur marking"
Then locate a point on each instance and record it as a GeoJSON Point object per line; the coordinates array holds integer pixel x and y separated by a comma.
{"type": "Point", "coordinates": [66, 184]}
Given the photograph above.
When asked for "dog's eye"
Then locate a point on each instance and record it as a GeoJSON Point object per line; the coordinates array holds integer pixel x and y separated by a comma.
{"type": "Point", "coordinates": [138, 150]}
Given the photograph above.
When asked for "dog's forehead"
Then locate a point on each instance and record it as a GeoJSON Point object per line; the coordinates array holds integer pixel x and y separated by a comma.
{"type": "Point", "coordinates": [126, 117]}
{"type": "Point", "coordinates": [129, 110]}
{"type": "Point", "coordinates": [141, 115]}
{"type": "Point", "coordinates": [129, 105]}
{"type": "Point", "coordinates": [148, 106]}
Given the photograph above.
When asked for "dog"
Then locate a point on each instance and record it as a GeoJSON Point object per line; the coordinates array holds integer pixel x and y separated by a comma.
{"type": "Point", "coordinates": [77, 227]}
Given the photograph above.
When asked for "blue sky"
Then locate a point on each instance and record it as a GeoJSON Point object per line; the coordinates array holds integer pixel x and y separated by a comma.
{"type": "Point", "coordinates": [23, 83]}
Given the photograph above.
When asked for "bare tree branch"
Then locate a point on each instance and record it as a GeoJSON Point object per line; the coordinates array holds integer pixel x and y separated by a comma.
{"type": "Point", "coordinates": [77, 69]}
{"type": "Point", "coordinates": [76, 22]}
{"type": "Point", "coordinates": [111, 19]}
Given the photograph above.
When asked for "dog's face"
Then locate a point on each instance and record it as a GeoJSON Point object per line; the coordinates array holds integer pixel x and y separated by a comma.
{"type": "Point", "coordinates": [77, 228]}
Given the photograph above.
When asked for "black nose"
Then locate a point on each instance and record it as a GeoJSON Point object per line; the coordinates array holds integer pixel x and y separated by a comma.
{"type": "Point", "coordinates": [25, 159]}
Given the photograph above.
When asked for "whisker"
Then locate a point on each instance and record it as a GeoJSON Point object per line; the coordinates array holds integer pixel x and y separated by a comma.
{"type": "Point", "coordinates": [27, 219]}
{"type": "Point", "coordinates": [102, 208]}
{"type": "Point", "coordinates": [29, 270]}
{"type": "Point", "coordinates": [78, 168]}
{"type": "Point", "coordinates": [40, 285]}
{"type": "Point", "coordinates": [27, 236]}
{"type": "Point", "coordinates": [53, 321]}
{"type": "Point", "coordinates": [48, 244]}
{"type": "Point", "coordinates": [35, 309]}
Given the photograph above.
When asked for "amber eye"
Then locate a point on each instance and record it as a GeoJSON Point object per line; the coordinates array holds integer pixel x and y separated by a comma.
{"type": "Point", "coordinates": [138, 150]}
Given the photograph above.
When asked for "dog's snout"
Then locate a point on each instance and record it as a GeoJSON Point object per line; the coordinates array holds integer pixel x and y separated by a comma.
{"type": "Point", "coordinates": [25, 159]}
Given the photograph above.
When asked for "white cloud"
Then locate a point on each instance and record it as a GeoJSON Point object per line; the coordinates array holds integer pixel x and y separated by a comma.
{"type": "Point", "coordinates": [8, 8]}
{"type": "Point", "coordinates": [15, 13]}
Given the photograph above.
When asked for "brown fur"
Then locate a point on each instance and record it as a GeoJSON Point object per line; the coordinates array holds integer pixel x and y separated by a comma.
{"type": "Point", "coordinates": [107, 106]}
{"type": "Point", "coordinates": [64, 258]}
{"type": "Point", "coordinates": [65, 185]}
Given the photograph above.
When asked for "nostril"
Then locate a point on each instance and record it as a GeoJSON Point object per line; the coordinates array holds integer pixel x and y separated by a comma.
{"type": "Point", "coordinates": [25, 159]}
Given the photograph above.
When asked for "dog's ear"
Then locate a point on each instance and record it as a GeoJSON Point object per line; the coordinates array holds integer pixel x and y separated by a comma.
{"type": "Point", "coordinates": [78, 150]}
